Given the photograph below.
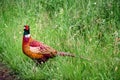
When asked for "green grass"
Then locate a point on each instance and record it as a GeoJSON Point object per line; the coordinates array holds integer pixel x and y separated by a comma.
{"type": "Point", "coordinates": [82, 27]}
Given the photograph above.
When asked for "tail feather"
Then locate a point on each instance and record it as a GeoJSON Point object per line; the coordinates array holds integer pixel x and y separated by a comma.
{"type": "Point", "coordinates": [65, 54]}
{"type": "Point", "coordinates": [72, 55]}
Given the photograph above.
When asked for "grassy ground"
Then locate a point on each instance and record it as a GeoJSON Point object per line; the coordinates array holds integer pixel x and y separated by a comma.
{"type": "Point", "coordinates": [89, 28]}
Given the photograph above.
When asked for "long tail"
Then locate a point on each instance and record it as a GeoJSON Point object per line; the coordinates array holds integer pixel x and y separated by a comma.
{"type": "Point", "coordinates": [72, 55]}
{"type": "Point", "coordinates": [65, 54]}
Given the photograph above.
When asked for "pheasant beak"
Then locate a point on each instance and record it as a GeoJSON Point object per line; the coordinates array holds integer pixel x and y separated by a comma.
{"type": "Point", "coordinates": [24, 27]}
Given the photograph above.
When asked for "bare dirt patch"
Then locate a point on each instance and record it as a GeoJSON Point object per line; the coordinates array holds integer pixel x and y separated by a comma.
{"type": "Point", "coordinates": [6, 73]}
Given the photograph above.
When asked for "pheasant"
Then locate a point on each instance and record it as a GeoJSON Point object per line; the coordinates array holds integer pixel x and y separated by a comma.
{"type": "Point", "coordinates": [38, 51]}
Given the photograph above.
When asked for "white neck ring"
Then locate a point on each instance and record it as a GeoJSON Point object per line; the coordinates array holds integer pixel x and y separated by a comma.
{"type": "Point", "coordinates": [27, 36]}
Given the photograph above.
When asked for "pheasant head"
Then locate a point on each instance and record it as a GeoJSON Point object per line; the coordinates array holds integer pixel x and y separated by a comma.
{"type": "Point", "coordinates": [26, 31]}
{"type": "Point", "coordinates": [26, 34]}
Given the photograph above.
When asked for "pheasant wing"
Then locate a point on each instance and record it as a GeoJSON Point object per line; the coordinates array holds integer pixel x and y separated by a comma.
{"type": "Point", "coordinates": [38, 47]}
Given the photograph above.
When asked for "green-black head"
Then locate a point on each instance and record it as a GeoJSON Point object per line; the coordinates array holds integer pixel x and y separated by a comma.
{"type": "Point", "coordinates": [26, 30]}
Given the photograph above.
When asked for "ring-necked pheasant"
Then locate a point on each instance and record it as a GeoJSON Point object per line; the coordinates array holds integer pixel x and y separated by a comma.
{"type": "Point", "coordinates": [37, 50]}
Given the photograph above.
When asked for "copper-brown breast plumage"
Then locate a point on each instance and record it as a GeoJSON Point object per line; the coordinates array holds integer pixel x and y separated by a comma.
{"type": "Point", "coordinates": [28, 52]}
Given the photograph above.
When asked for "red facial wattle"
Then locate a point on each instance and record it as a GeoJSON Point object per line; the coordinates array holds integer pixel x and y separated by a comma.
{"type": "Point", "coordinates": [26, 27]}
